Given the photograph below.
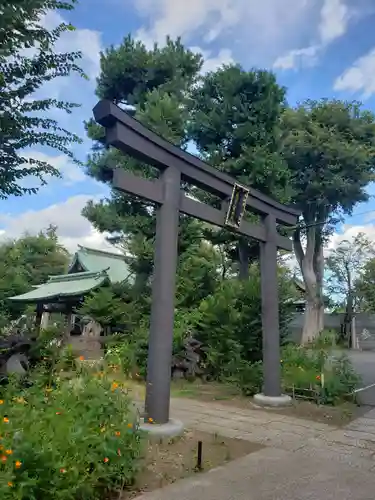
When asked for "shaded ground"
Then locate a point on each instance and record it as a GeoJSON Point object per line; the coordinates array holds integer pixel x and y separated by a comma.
{"type": "Point", "coordinates": [228, 395]}
{"type": "Point", "coordinates": [166, 462]}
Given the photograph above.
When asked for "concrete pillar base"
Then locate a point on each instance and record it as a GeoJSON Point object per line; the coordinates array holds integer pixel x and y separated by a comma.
{"type": "Point", "coordinates": [272, 401]}
{"type": "Point", "coordinates": [171, 429]}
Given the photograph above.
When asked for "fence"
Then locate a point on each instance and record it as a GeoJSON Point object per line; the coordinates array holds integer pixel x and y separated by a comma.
{"type": "Point", "coordinates": [365, 327]}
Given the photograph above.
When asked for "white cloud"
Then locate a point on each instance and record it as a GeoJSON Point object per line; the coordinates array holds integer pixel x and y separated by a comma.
{"type": "Point", "coordinates": [211, 63]}
{"type": "Point", "coordinates": [334, 18]}
{"type": "Point", "coordinates": [71, 173]}
{"type": "Point", "coordinates": [81, 40]}
{"type": "Point", "coordinates": [360, 77]}
{"type": "Point", "coordinates": [72, 228]}
{"type": "Point", "coordinates": [297, 57]}
{"type": "Point", "coordinates": [333, 23]}
{"type": "Point", "coordinates": [257, 31]}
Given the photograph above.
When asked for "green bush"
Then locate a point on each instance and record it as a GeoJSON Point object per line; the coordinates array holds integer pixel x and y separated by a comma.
{"type": "Point", "coordinates": [76, 441]}
{"type": "Point", "coordinates": [309, 367]}
{"type": "Point", "coordinates": [229, 323]}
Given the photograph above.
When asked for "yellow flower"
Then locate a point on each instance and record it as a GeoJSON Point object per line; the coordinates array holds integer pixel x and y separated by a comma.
{"type": "Point", "coordinates": [150, 420]}
{"type": "Point", "coordinates": [48, 389]}
{"type": "Point", "coordinates": [6, 420]}
{"type": "Point", "coordinates": [9, 452]}
{"type": "Point", "coordinates": [1, 401]}
{"type": "Point", "coordinates": [130, 426]}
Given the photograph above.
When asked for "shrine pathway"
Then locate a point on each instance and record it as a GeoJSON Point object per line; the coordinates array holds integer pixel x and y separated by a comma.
{"type": "Point", "coordinates": [302, 459]}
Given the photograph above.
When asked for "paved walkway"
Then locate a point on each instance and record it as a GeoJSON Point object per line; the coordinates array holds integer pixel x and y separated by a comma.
{"type": "Point", "coordinates": [302, 460]}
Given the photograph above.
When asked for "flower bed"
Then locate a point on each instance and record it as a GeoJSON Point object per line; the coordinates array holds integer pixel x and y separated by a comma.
{"type": "Point", "coordinates": [73, 441]}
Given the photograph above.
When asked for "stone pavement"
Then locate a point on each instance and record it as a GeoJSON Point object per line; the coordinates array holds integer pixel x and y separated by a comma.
{"type": "Point", "coordinates": [302, 460]}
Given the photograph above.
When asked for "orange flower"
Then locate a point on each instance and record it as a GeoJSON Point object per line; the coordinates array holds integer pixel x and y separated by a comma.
{"type": "Point", "coordinates": [9, 452]}
{"type": "Point", "coordinates": [114, 386]}
{"type": "Point", "coordinates": [1, 401]}
{"type": "Point", "coordinates": [18, 464]}
{"type": "Point", "coordinates": [4, 458]}
{"type": "Point", "coordinates": [81, 358]}
{"type": "Point", "coordinates": [106, 460]}
{"type": "Point", "coordinates": [130, 426]}
{"type": "Point", "coordinates": [118, 434]}
{"type": "Point", "coordinates": [317, 377]}
{"type": "Point", "coordinates": [10, 484]}
{"type": "Point", "coordinates": [58, 413]}
{"type": "Point", "coordinates": [62, 471]}
{"type": "Point", "coordinates": [6, 420]}
{"type": "Point", "coordinates": [151, 420]}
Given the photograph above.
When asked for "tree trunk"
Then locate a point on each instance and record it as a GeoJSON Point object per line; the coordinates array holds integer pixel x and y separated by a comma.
{"type": "Point", "coordinates": [311, 321]}
{"type": "Point", "coordinates": [311, 263]}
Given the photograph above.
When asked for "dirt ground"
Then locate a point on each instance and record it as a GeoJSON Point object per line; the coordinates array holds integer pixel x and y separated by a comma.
{"type": "Point", "coordinates": [336, 416]}
{"type": "Point", "coordinates": [166, 462]}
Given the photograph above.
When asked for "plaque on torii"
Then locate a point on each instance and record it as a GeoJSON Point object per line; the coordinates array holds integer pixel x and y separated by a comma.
{"type": "Point", "coordinates": [176, 165]}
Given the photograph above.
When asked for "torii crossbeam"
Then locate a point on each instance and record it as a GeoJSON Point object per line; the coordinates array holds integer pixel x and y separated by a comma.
{"type": "Point", "coordinates": [130, 136]}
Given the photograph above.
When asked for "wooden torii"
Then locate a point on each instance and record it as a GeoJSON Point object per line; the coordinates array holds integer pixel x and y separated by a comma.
{"type": "Point", "coordinates": [131, 137]}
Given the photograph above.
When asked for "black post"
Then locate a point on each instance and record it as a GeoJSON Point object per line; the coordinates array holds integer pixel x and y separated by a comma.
{"type": "Point", "coordinates": [270, 311]}
{"type": "Point", "coordinates": [163, 291]}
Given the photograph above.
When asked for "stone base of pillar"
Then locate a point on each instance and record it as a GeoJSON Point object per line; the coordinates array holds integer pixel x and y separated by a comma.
{"type": "Point", "coordinates": [272, 401]}
{"type": "Point", "coordinates": [172, 428]}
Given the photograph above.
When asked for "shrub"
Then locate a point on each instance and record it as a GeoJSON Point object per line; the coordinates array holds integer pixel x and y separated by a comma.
{"type": "Point", "coordinates": [229, 323]}
{"type": "Point", "coordinates": [77, 441]}
{"type": "Point", "coordinates": [303, 367]}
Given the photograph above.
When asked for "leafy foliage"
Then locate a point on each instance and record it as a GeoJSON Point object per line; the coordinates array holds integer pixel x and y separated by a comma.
{"type": "Point", "coordinates": [329, 150]}
{"type": "Point", "coordinates": [109, 308]}
{"type": "Point", "coordinates": [27, 61]}
{"type": "Point", "coordinates": [228, 323]}
{"type": "Point", "coordinates": [235, 124]}
{"type": "Point", "coordinates": [312, 368]}
{"type": "Point", "coordinates": [28, 261]}
{"type": "Point", "coordinates": [70, 445]}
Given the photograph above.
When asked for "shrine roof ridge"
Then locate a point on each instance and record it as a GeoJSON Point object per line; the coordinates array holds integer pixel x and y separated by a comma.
{"type": "Point", "coordinates": [146, 145]}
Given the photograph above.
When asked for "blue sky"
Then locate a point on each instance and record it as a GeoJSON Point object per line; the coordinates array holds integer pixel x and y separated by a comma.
{"type": "Point", "coordinates": [318, 48]}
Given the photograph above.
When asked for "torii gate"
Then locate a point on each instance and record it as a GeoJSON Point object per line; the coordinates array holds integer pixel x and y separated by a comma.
{"type": "Point", "coordinates": [175, 165]}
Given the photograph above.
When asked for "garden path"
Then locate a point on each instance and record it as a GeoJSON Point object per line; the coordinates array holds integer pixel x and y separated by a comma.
{"type": "Point", "coordinates": [302, 459]}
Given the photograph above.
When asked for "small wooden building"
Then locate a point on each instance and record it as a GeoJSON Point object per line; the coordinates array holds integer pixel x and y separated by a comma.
{"type": "Point", "coordinates": [89, 270]}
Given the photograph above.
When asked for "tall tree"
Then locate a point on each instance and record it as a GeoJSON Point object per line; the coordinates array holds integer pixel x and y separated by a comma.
{"type": "Point", "coordinates": [329, 149]}
{"type": "Point", "coordinates": [25, 262]}
{"type": "Point", "coordinates": [235, 125]}
{"type": "Point", "coordinates": [365, 287]}
{"type": "Point", "coordinates": [155, 83]}
{"type": "Point", "coordinates": [345, 268]}
{"type": "Point", "coordinates": [27, 61]}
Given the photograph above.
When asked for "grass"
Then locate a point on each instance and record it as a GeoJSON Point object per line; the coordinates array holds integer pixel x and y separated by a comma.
{"type": "Point", "coordinates": [165, 462]}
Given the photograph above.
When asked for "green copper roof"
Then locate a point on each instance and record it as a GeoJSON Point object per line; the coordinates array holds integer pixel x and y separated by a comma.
{"type": "Point", "coordinates": [65, 285]}
{"type": "Point", "coordinates": [99, 260]}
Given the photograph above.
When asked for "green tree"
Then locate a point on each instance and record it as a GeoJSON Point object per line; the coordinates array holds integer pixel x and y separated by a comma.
{"type": "Point", "coordinates": [365, 287]}
{"type": "Point", "coordinates": [235, 124]}
{"type": "Point", "coordinates": [155, 82]}
{"type": "Point", "coordinates": [27, 61]}
{"type": "Point", "coordinates": [345, 267]}
{"type": "Point", "coordinates": [25, 262]}
{"type": "Point", "coordinates": [329, 149]}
